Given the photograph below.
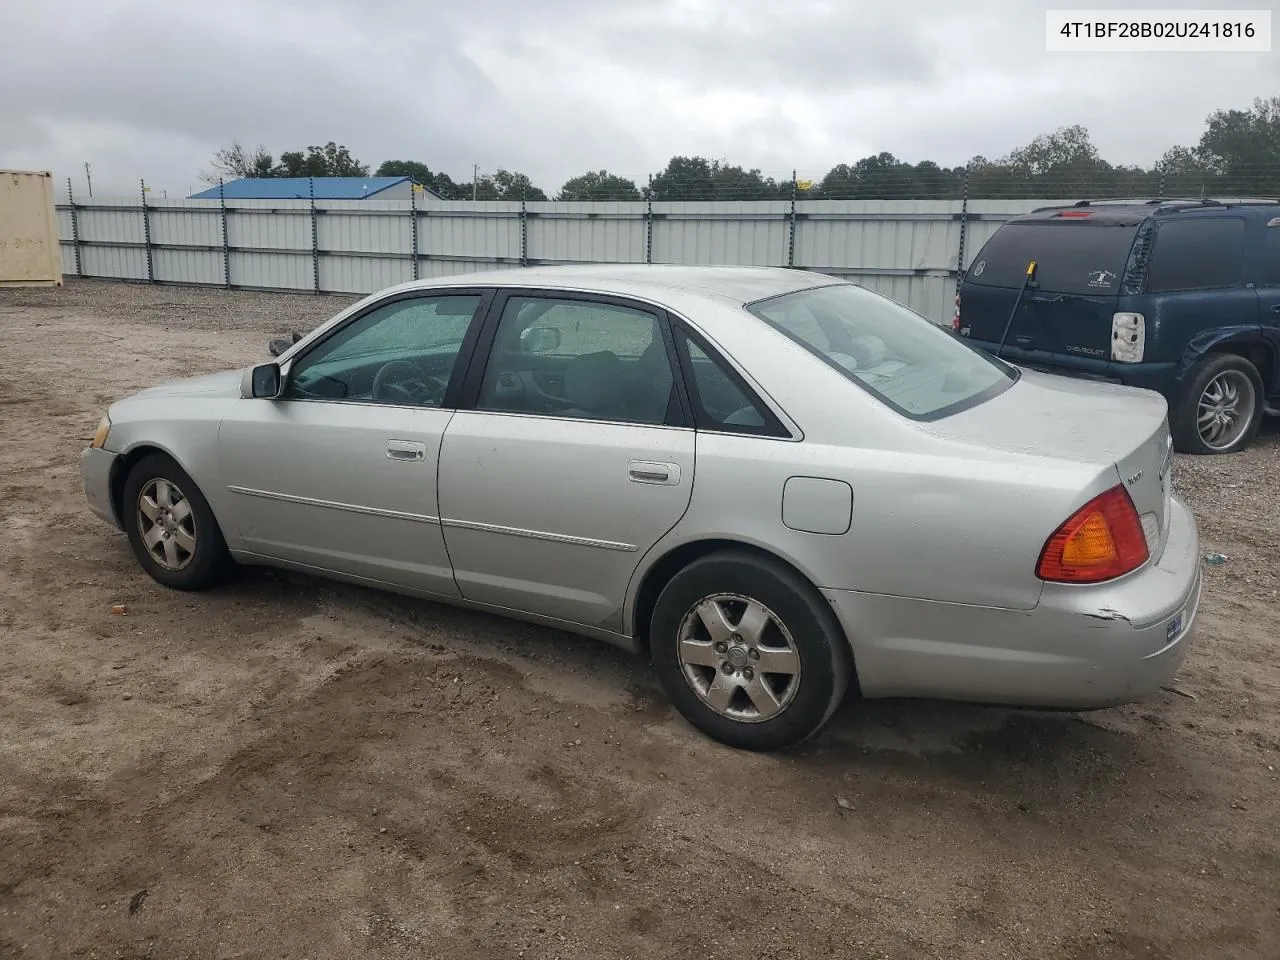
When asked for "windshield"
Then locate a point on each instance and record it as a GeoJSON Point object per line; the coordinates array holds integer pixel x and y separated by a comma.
{"type": "Point", "coordinates": [914, 366]}
{"type": "Point", "coordinates": [1072, 256]}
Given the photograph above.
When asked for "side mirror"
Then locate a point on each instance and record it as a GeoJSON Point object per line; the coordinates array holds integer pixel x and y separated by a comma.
{"type": "Point", "coordinates": [540, 339]}
{"type": "Point", "coordinates": [265, 381]}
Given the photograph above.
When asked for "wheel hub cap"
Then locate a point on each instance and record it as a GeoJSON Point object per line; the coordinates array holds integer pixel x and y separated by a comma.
{"type": "Point", "coordinates": [1225, 409]}
{"type": "Point", "coordinates": [166, 524]}
{"type": "Point", "coordinates": [739, 658]}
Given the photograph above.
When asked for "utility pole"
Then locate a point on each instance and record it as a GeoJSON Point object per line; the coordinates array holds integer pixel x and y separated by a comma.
{"type": "Point", "coordinates": [475, 181]}
{"type": "Point", "coordinates": [88, 178]}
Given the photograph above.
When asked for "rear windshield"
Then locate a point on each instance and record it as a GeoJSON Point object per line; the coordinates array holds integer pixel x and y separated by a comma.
{"type": "Point", "coordinates": [893, 353]}
{"type": "Point", "coordinates": [1079, 258]}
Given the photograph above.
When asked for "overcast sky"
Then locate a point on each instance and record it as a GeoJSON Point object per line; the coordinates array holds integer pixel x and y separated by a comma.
{"type": "Point", "coordinates": [150, 88]}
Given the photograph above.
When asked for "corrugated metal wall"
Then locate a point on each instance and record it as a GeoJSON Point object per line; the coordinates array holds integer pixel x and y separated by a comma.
{"type": "Point", "coordinates": [905, 249]}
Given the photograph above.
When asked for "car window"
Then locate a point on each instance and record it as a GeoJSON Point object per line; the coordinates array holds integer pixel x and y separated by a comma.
{"type": "Point", "coordinates": [1074, 257]}
{"type": "Point", "coordinates": [1270, 270]}
{"type": "Point", "coordinates": [1197, 254]}
{"type": "Point", "coordinates": [720, 402]}
{"type": "Point", "coordinates": [402, 352]}
{"type": "Point", "coordinates": [895, 354]}
{"type": "Point", "coordinates": [580, 359]}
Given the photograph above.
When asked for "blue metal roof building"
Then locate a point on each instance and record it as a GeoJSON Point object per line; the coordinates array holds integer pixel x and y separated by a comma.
{"type": "Point", "coordinates": [299, 188]}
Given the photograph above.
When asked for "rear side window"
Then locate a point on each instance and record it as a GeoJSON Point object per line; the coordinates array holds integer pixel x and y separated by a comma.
{"type": "Point", "coordinates": [1197, 254]}
{"type": "Point", "coordinates": [1072, 257]}
{"type": "Point", "coordinates": [1270, 270]}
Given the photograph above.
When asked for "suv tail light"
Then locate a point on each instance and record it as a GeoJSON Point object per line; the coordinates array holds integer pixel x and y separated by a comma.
{"type": "Point", "coordinates": [1102, 540]}
{"type": "Point", "coordinates": [955, 319]}
{"type": "Point", "coordinates": [1128, 337]}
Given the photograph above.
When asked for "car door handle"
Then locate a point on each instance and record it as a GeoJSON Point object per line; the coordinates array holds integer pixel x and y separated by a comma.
{"type": "Point", "coordinates": [649, 471]}
{"type": "Point", "coordinates": [406, 450]}
{"type": "Point", "coordinates": [1275, 308]}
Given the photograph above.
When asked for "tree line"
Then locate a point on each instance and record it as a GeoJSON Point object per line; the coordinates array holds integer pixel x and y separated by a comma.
{"type": "Point", "coordinates": [1238, 154]}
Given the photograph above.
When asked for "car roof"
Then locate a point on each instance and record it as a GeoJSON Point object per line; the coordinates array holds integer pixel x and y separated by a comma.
{"type": "Point", "coordinates": [1128, 212]}
{"type": "Point", "coordinates": [657, 282]}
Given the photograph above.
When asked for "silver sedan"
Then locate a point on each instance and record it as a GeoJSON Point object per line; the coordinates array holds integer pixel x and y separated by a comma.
{"type": "Point", "coordinates": [773, 483]}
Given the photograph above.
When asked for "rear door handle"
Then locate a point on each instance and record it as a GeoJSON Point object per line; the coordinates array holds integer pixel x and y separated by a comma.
{"type": "Point", "coordinates": [406, 450]}
{"type": "Point", "coordinates": [650, 471]}
{"type": "Point", "coordinates": [1275, 308]}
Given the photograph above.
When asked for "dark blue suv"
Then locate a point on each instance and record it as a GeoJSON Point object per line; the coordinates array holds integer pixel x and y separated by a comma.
{"type": "Point", "coordinates": [1178, 296]}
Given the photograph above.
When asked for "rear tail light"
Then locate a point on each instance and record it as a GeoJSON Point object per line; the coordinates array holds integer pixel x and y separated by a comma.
{"type": "Point", "coordinates": [955, 319]}
{"type": "Point", "coordinates": [1128, 337]}
{"type": "Point", "coordinates": [1102, 540]}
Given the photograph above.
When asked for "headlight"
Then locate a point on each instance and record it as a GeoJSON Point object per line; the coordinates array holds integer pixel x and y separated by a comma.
{"type": "Point", "coordinates": [100, 435]}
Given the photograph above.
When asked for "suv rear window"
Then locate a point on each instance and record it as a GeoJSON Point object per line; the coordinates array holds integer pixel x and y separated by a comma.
{"type": "Point", "coordinates": [1197, 254]}
{"type": "Point", "coordinates": [1072, 256]}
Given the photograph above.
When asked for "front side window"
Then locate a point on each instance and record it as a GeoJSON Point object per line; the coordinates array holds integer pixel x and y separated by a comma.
{"type": "Point", "coordinates": [1197, 254]}
{"type": "Point", "coordinates": [402, 352]}
{"type": "Point", "coordinates": [893, 353]}
{"type": "Point", "coordinates": [581, 359]}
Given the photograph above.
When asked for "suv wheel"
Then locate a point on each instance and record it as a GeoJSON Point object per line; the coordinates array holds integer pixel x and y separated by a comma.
{"type": "Point", "coordinates": [1221, 407]}
{"type": "Point", "coordinates": [748, 651]}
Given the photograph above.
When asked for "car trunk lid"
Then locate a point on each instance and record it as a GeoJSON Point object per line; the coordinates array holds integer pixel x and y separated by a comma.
{"type": "Point", "coordinates": [1056, 417]}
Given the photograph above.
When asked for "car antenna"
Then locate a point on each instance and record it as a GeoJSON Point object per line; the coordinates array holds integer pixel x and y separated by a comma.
{"type": "Point", "coordinates": [1028, 281]}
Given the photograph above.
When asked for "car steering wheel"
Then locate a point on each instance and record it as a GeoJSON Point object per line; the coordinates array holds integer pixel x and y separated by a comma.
{"type": "Point", "coordinates": [403, 382]}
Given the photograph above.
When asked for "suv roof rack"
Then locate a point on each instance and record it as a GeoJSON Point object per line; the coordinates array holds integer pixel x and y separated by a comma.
{"type": "Point", "coordinates": [1175, 201]}
{"type": "Point", "coordinates": [1159, 204]}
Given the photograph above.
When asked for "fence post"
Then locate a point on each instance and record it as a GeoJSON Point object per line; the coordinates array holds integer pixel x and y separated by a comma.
{"type": "Point", "coordinates": [146, 232]}
{"type": "Point", "coordinates": [75, 228]}
{"type": "Point", "coordinates": [964, 226]}
{"type": "Point", "coordinates": [226, 241]}
{"type": "Point", "coordinates": [791, 228]}
{"type": "Point", "coordinates": [524, 232]}
{"type": "Point", "coordinates": [413, 226]}
{"type": "Point", "coordinates": [315, 236]}
{"type": "Point", "coordinates": [648, 222]}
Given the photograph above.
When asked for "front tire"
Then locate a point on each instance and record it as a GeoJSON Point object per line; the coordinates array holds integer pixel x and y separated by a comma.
{"type": "Point", "coordinates": [1221, 407]}
{"type": "Point", "coordinates": [748, 651]}
{"type": "Point", "coordinates": [172, 530]}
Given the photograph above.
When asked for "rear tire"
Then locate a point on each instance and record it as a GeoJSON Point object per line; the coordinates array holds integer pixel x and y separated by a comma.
{"type": "Point", "coordinates": [1220, 408]}
{"type": "Point", "coordinates": [172, 530]}
{"type": "Point", "coordinates": [748, 651]}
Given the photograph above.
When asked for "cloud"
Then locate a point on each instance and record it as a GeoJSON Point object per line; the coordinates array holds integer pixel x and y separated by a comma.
{"type": "Point", "coordinates": [145, 88]}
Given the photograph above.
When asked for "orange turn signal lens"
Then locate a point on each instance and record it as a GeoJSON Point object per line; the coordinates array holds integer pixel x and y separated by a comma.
{"type": "Point", "coordinates": [100, 435]}
{"type": "Point", "coordinates": [1101, 541]}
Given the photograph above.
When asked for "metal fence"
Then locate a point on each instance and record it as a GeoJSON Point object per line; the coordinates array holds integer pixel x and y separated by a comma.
{"type": "Point", "coordinates": [910, 250]}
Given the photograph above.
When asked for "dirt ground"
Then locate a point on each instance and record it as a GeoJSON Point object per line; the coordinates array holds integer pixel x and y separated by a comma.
{"type": "Point", "coordinates": [286, 768]}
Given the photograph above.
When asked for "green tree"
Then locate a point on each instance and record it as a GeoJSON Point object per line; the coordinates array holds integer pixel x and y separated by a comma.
{"type": "Point", "coordinates": [1064, 163]}
{"type": "Point", "coordinates": [696, 178]}
{"type": "Point", "coordinates": [331, 160]}
{"type": "Point", "coordinates": [504, 185]}
{"type": "Point", "coordinates": [598, 185]}
{"type": "Point", "coordinates": [1243, 147]}
{"type": "Point", "coordinates": [885, 177]}
{"type": "Point", "coordinates": [439, 183]}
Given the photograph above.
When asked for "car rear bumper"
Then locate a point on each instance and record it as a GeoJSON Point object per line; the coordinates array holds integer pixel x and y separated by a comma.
{"type": "Point", "coordinates": [1081, 647]}
{"type": "Point", "coordinates": [95, 470]}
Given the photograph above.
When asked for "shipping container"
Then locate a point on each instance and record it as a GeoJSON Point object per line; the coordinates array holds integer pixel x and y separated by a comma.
{"type": "Point", "coordinates": [29, 252]}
